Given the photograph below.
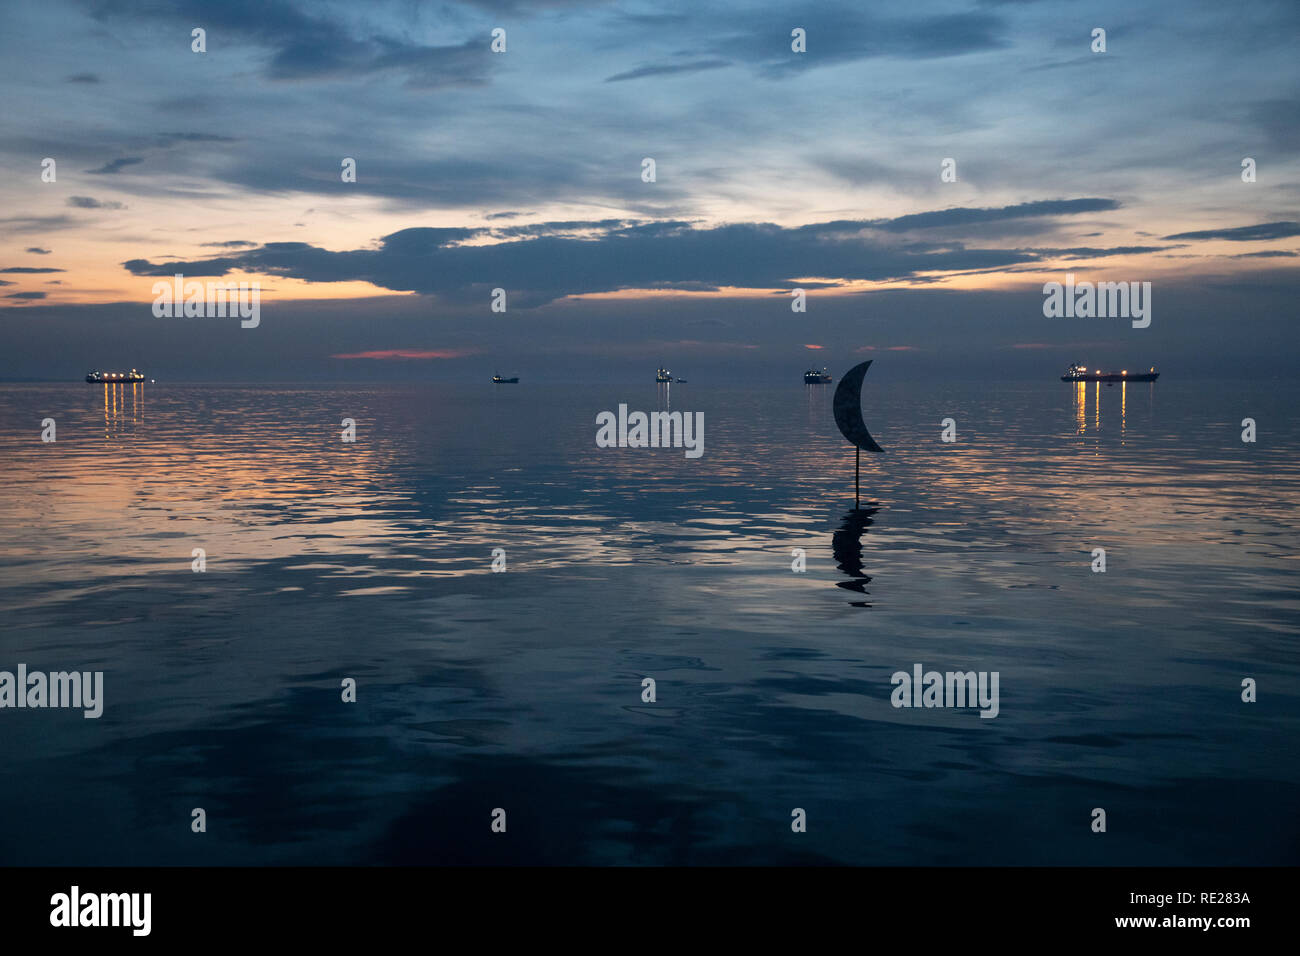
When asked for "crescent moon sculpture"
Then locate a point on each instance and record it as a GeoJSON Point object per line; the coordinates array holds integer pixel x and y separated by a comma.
{"type": "Point", "coordinates": [848, 409]}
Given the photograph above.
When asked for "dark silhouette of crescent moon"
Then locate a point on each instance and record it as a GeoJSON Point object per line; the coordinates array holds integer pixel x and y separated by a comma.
{"type": "Point", "coordinates": [848, 409]}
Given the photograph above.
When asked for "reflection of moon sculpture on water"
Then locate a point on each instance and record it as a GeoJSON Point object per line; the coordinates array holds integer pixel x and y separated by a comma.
{"type": "Point", "coordinates": [848, 408]}
{"type": "Point", "coordinates": [846, 546]}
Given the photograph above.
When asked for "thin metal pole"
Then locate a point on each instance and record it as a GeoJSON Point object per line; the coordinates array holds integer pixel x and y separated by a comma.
{"type": "Point", "coordinates": [857, 470]}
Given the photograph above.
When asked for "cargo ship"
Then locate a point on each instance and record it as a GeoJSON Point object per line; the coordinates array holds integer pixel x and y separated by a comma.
{"type": "Point", "coordinates": [113, 378]}
{"type": "Point", "coordinates": [814, 377]}
{"type": "Point", "coordinates": [498, 380]}
{"type": "Point", "coordinates": [663, 376]}
{"type": "Point", "coordinates": [1078, 373]}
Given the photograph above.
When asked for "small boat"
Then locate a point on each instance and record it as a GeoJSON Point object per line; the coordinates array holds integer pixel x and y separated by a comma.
{"type": "Point", "coordinates": [680, 381]}
{"type": "Point", "coordinates": [114, 378]}
{"type": "Point", "coordinates": [498, 380]}
{"type": "Point", "coordinates": [814, 377]}
{"type": "Point", "coordinates": [1078, 373]}
{"type": "Point", "coordinates": [663, 376]}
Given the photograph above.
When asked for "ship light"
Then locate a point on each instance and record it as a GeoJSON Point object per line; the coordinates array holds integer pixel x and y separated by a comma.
{"type": "Point", "coordinates": [1125, 372]}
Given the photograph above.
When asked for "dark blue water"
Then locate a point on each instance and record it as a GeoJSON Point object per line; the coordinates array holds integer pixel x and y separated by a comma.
{"type": "Point", "coordinates": [522, 690]}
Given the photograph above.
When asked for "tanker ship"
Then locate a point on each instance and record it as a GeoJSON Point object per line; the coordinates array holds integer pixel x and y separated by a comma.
{"type": "Point", "coordinates": [1077, 373]}
{"type": "Point", "coordinates": [114, 378]}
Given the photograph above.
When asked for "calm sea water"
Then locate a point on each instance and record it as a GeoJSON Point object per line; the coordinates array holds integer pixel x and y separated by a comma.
{"type": "Point", "coordinates": [522, 690]}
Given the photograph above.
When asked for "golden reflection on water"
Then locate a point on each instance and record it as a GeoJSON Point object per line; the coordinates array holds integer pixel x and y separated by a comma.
{"type": "Point", "coordinates": [1123, 408]}
{"type": "Point", "coordinates": [1081, 408]}
{"type": "Point", "coordinates": [437, 477]}
{"type": "Point", "coordinates": [116, 423]}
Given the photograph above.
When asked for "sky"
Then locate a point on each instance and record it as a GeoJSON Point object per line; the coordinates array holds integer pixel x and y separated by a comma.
{"type": "Point", "coordinates": [523, 170]}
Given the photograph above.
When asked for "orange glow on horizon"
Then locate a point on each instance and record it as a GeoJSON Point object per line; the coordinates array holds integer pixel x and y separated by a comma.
{"type": "Point", "coordinates": [408, 354]}
{"type": "Point", "coordinates": [90, 258]}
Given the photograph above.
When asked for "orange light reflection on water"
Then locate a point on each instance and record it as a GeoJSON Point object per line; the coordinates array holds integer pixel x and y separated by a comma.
{"type": "Point", "coordinates": [1123, 408]}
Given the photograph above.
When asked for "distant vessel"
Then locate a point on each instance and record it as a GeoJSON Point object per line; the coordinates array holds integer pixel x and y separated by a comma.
{"type": "Point", "coordinates": [814, 377]}
{"type": "Point", "coordinates": [96, 378]}
{"type": "Point", "coordinates": [1077, 373]}
{"type": "Point", "coordinates": [681, 381]}
{"type": "Point", "coordinates": [662, 376]}
{"type": "Point", "coordinates": [497, 379]}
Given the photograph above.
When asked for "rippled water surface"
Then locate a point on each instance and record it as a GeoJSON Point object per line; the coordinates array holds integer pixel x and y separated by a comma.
{"type": "Point", "coordinates": [522, 690]}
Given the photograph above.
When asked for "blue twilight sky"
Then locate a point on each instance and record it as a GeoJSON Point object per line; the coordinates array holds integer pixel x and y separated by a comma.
{"type": "Point", "coordinates": [522, 170]}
